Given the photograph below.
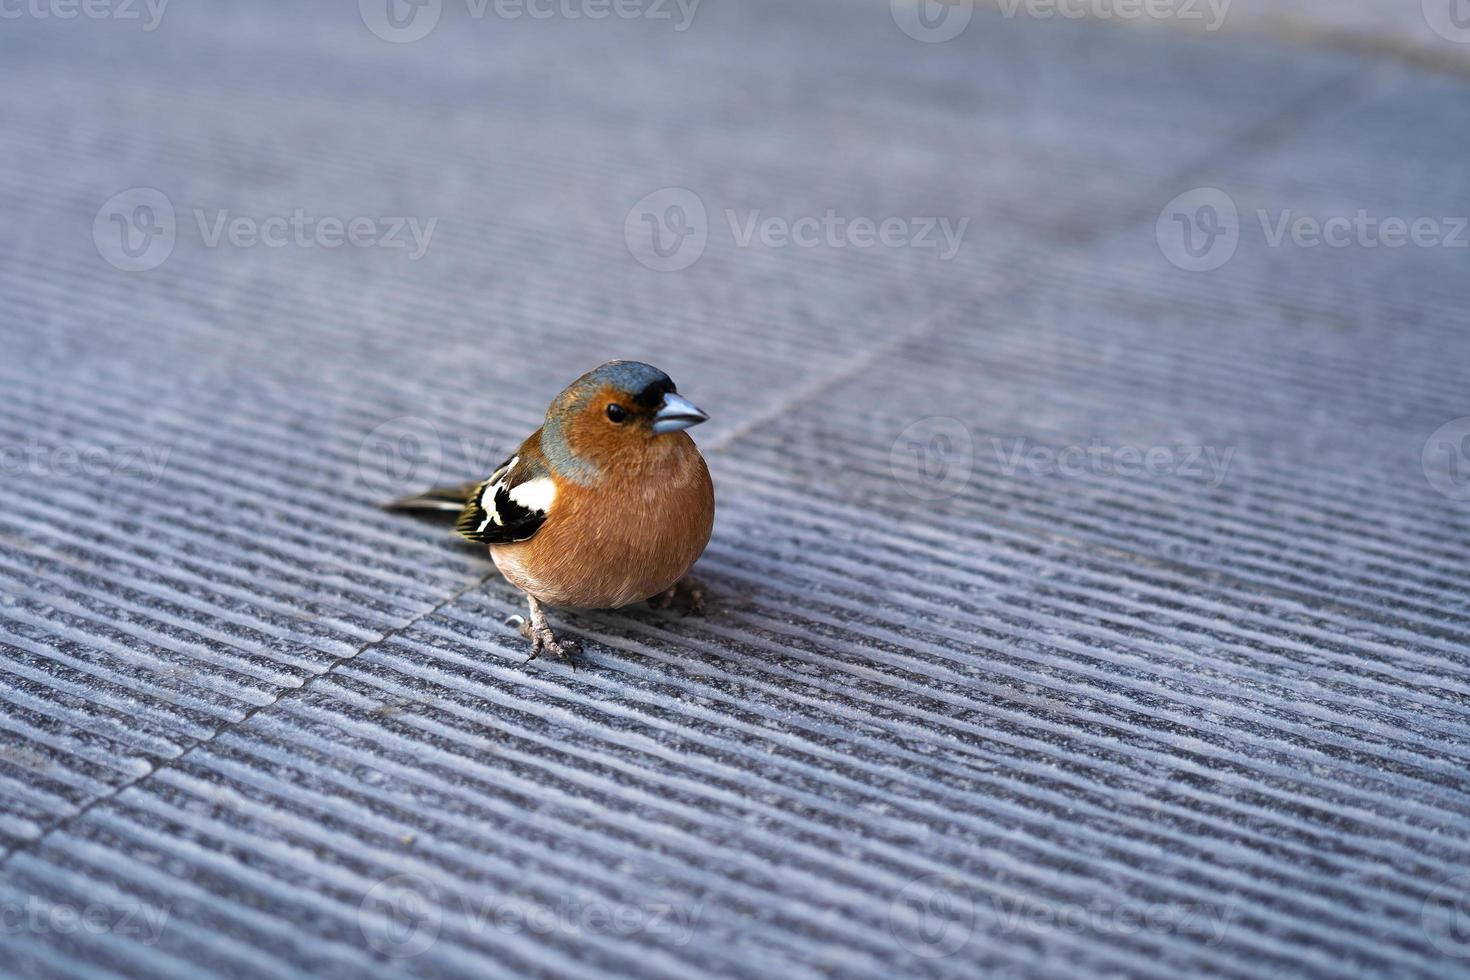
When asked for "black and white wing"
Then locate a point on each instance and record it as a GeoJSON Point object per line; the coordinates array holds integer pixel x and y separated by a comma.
{"type": "Point", "coordinates": [511, 505]}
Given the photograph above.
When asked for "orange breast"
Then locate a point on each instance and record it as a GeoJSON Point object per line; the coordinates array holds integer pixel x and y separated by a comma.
{"type": "Point", "coordinates": [628, 538]}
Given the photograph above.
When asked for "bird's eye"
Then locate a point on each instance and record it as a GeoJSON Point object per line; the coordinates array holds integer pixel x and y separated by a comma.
{"type": "Point", "coordinates": [617, 413]}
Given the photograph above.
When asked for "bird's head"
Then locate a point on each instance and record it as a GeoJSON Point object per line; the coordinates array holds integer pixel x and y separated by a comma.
{"type": "Point", "coordinates": [619, 408]}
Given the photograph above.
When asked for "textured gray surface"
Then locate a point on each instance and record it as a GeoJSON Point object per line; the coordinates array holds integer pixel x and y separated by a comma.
{"type": "Point", "coordinates": [1026, 720]}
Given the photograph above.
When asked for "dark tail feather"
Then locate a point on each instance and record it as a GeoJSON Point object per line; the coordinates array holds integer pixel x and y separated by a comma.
{"type": "Point", "coordinates": [443, 500]}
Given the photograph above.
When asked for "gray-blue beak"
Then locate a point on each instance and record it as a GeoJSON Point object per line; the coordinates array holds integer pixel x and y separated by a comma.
{"type": "Point", "coordinates": [677, 413]}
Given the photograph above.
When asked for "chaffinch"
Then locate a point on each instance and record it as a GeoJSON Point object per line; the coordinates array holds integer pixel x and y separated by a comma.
{"type": "Point", "coordinates": [607, 504]}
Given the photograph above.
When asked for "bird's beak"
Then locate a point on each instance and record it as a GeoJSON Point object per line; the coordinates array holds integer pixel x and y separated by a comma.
{"type": "Point", "coordinates": [677, 413]}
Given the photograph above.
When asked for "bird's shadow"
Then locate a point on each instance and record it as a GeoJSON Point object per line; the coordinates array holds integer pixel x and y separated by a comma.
{"type": "Point", "coordinates": [602, 633]}
{"type": "Point", "coordinates": [618, 633]}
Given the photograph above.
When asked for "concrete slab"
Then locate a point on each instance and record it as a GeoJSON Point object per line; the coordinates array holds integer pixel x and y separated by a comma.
{"type": "Point", "coordinates": [978, 692]}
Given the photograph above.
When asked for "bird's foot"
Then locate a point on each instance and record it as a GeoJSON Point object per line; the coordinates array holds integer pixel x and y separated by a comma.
{"type": "Point", "coordinates": [688, 591]}
{"type": "Point", "coordinates": [543, 640]}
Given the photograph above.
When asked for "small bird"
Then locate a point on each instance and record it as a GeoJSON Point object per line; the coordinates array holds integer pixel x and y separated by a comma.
{"type": "Point", "coordinates": [607, 504]}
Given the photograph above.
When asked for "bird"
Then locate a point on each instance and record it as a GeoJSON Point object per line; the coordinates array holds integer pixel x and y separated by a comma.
{"type": "Point", "coordinates": [608, 503]}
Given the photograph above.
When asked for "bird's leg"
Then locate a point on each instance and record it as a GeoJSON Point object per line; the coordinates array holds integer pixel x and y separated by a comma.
{"type": "Point", "coordinates": [538, 631]}
{"type": "Point", "coordinates": [692, 591]}
{"type": "Point", "coordinates": [688, 590]}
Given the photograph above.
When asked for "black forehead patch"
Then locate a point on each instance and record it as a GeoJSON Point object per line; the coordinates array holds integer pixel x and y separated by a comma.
{"type": "Point", "coordinates": [643, 383]}
{"type": "Point", "coordinates": [653, 393]}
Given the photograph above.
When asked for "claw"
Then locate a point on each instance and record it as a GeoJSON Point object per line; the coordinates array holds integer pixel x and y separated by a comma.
{"type": "Point", "coordinates": [543, 640]}
{"type": "Point", "coordinates": [688, 590]}
{"type": "Point", "coordinates": [693, 597]}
